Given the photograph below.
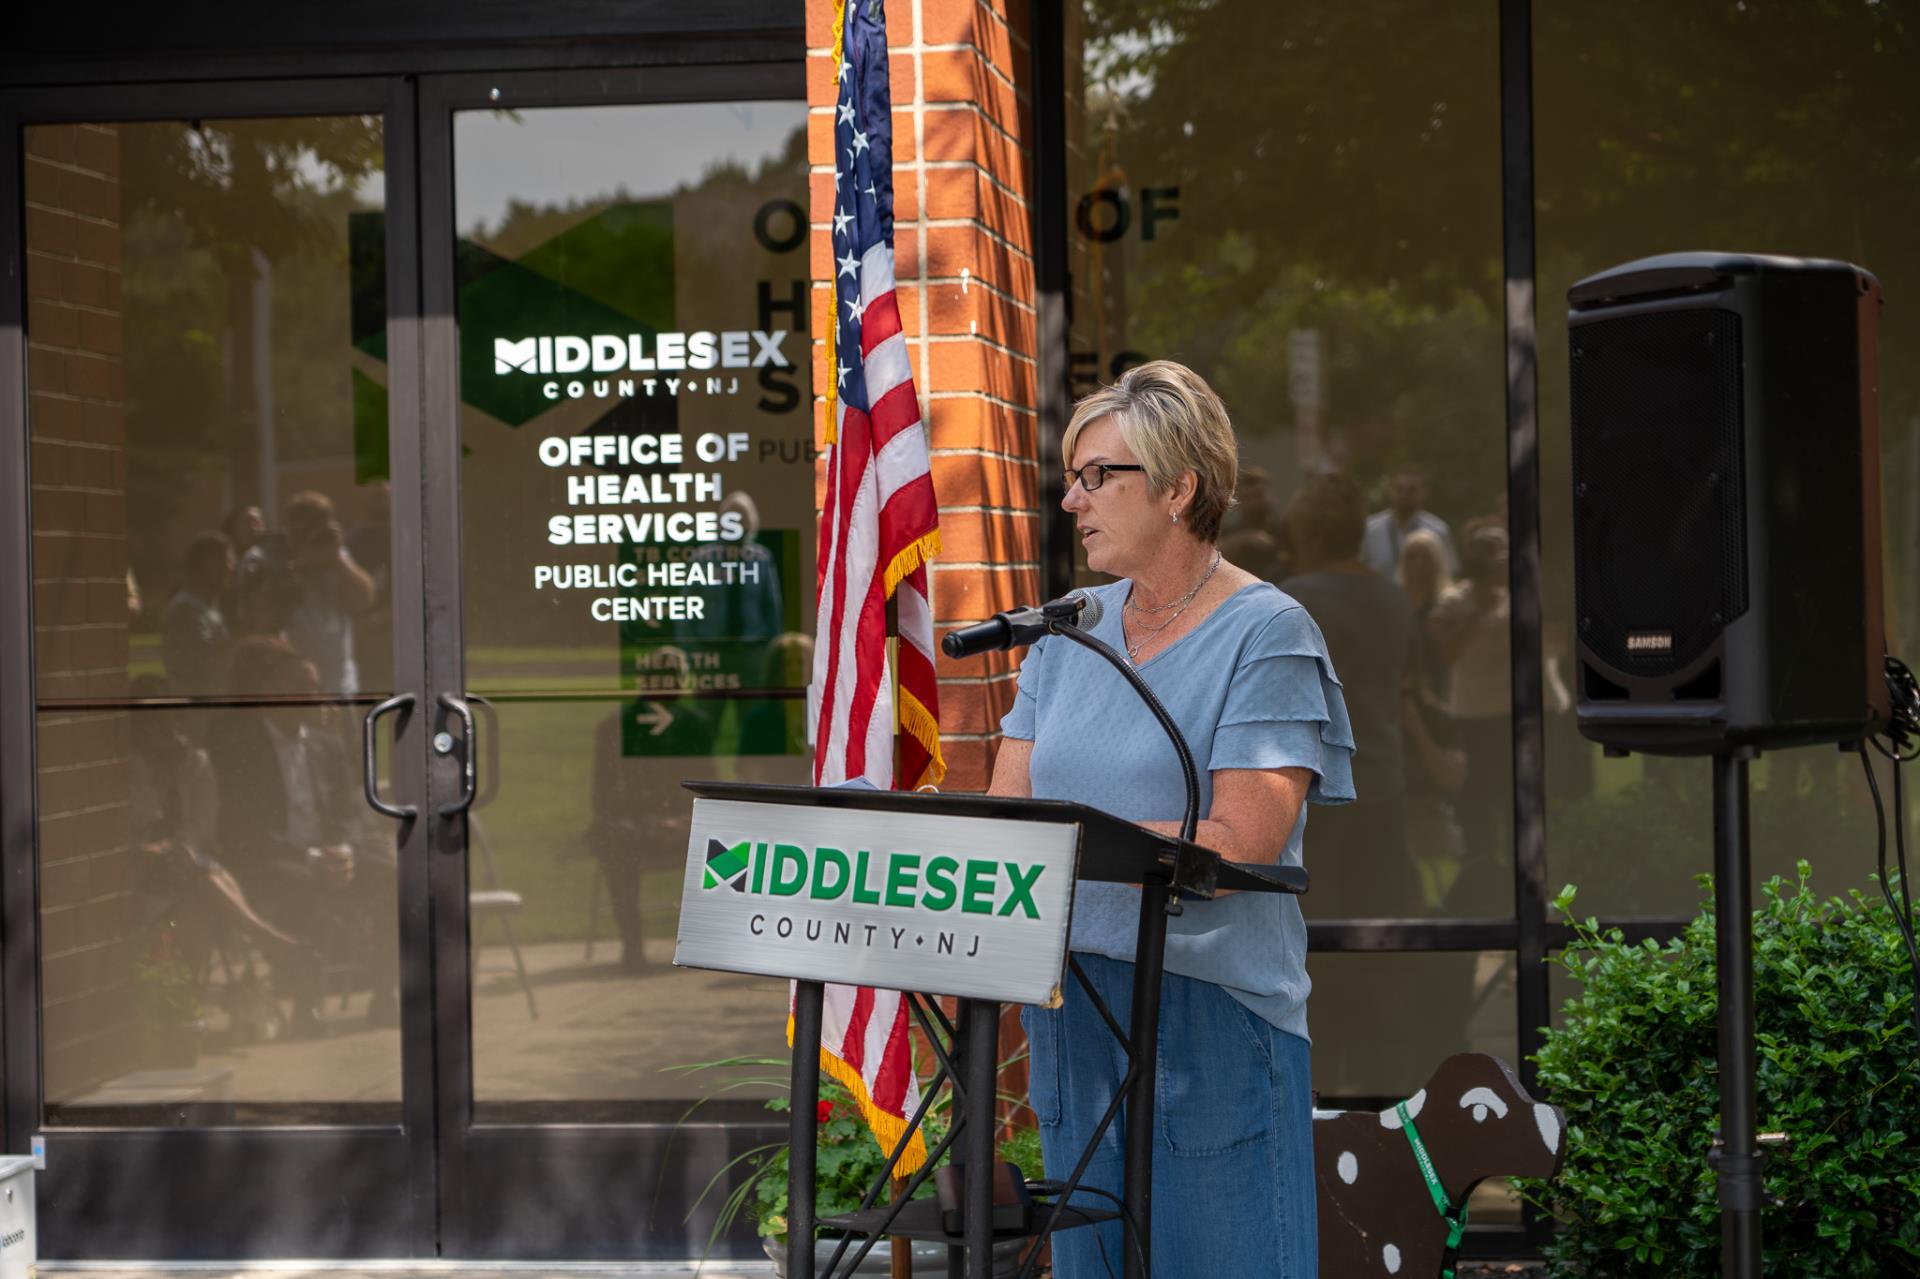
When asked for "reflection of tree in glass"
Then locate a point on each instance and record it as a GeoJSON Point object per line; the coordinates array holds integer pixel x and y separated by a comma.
{"type": "Point", "coordinates": [1338, 170]}
{"type": "Point", "coordinates": [270, 181]}
{"type": "Point", "coordinates": [728, 186]}
{"type": "Point", "coordinates": [206, 208]}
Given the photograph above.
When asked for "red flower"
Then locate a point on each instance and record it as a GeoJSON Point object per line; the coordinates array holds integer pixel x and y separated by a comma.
{"type": "Point", "coordinates": [823, 1112]}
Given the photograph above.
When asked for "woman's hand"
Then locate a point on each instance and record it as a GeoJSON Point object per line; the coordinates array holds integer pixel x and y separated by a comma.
{"type": "Point", "coordinates": [1253, 813]}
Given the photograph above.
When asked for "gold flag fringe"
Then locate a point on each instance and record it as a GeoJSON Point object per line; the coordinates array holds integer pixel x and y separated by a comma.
{"type": "Point", "coordinates": [910, 557]}
{"type": "Point", "coordinates": [917, 720]}
{"type": "Point", "coordinates": [909, 713]}
{"type": "Point", "coordinates": [887, 1128]}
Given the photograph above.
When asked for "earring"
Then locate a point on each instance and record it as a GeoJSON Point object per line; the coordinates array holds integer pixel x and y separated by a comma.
{"type": "Point", "coordinates": [1176, 517]}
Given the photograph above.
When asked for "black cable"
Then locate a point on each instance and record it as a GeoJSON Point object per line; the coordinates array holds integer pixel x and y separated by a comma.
{"type": "Point", "coordinates": [1902, 922]}
{"type": "Point", "coordinates": [1903, 734]}
{"type": "Point", "coordinates": [1903, 730]}
{"type": "Point", "coordinates": [1128, 1227]}
{"type": "Point", "coordinates": [1906, 893]}
{"type": "Point", "coordinates": [1903, 914]}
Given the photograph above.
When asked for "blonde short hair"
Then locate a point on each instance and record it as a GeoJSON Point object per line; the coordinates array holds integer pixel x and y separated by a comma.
{"type": "Point", "coordinates": [1425, 544]}
{"type": "Point", "coordinates": [1173, 422]}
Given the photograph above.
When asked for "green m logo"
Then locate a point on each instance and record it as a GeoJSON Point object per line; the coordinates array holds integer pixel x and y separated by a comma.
{"type": "Point", "coordinates": [727, 865]}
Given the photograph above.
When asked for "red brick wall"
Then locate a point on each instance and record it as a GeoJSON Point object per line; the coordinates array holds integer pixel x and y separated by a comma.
{"type": "Point", "coordinates": [962, 123]}
{"type": "Point", "coordinates": [963, 175]}
{"type": "Point", "coordinates": [76, 423]}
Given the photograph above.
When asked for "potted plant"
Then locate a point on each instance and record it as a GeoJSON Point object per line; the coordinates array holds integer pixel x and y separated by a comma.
{"type": "Point", "coordinates": [848, 1158]}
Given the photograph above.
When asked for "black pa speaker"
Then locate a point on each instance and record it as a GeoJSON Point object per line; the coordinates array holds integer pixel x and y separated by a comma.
{"type": "Point", "coordinates": [1726, 512]}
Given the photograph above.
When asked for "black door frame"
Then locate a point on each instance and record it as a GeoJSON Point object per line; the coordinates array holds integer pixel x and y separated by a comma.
{"type": "Point", "coordinates": [526, 1190]}
{"type": "Point", "coordinates": [262, 1182]}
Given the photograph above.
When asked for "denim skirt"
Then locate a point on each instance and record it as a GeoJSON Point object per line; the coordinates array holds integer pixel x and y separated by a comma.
{"type": "Point", "coordinates": [1233, 1130]}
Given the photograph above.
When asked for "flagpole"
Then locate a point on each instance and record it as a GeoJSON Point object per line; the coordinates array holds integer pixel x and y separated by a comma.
{"type": "Point", "coordinates": [893, 673]}
{"type": "Point", "coordinates": [900, 1253]}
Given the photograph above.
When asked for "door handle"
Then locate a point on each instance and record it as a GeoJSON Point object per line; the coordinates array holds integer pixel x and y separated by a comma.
{"type": "Point", "coordinates": [491, 741]}
{"type": "Point", "coordinates": [400, 701]}
{"type": "Point", "coordinates": [469, 773]}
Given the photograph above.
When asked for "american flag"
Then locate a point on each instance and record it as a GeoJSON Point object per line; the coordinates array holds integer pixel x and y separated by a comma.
{"type": "Point", "coordinates": [878, 526]}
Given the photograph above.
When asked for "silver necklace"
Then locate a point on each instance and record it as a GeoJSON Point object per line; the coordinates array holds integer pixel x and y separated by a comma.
{"type": "Point", "coordinates": [1147, 612]}
{"type": "Point", "coordinates": [1133, 650]}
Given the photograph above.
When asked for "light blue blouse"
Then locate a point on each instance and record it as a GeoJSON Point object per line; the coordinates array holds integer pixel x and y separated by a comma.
{"type": "Point", "coordinates": [1250, 687]}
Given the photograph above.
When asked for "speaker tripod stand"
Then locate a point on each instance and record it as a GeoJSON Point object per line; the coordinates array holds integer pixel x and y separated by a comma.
{"type": "Point", "coordinates": [1737, 1158]}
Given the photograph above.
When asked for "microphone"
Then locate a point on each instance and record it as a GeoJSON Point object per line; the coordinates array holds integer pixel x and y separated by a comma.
{"type": "Point", "coordinates": [1019, 626]}
{"type": "Point", "coordinates": [1079, 606]}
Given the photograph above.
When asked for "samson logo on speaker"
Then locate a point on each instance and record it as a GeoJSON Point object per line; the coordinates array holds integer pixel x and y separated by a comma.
{"type": "Point", "coordinates": [1650, 642]}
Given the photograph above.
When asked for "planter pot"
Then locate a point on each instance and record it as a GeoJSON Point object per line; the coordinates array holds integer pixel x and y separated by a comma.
{"type": "Point", "coordinates": [174, 1044]}
{"type": "Point", "coordinates": [929, 1259]}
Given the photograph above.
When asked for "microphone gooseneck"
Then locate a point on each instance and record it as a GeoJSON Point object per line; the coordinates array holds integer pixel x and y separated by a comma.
{"type": "Point", "coordinates": [1074, 615]}
{"type": "Point", "coordinates": [1191, 822]}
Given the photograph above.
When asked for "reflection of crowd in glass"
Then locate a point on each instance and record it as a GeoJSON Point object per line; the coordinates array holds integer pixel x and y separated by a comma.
{"type": "Point", "coordinates": [247, 810]}
{"type": "Point", "coordinates": [311, 584]}
{"type": "Point", "coordinates": [1418, 629]}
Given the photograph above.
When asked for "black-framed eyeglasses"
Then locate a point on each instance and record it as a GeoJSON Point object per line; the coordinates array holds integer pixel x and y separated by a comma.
{"type": "Point", "coordinates": [1094, 474]}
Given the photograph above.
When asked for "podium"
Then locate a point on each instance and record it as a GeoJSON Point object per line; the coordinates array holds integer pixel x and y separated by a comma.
{"type": "Point", "coordinates": [968, 896]}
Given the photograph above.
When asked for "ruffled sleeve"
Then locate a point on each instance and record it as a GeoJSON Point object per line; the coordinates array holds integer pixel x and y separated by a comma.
{"type": "Point", "coordinates": [1284, 709]}
{"type": "Point", "coordinates": [1019, 719]}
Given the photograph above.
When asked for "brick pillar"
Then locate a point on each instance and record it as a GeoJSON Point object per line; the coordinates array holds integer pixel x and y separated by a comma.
{"type": "Point", "coordinates": [76, 424]}
{"type": "Point", "coordinates": [962, 130]}
{"type": "Point", "coordinates": [962, 125]}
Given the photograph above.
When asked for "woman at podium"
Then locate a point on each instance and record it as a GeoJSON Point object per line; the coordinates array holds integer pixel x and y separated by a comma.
{"type": "Point", "coordinates": [1244, 671]}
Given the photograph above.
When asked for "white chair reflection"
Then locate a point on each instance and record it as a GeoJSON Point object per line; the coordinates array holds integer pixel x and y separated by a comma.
{"type": "Point", "coordinates": [495, 903]}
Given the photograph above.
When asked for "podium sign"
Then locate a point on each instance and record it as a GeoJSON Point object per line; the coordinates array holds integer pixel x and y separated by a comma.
{"type": "Point", "coordinates": [977, 907]}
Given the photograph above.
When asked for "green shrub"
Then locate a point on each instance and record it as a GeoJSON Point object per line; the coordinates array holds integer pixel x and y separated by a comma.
{"type": "Point", "coordinates": [1634, 1068]}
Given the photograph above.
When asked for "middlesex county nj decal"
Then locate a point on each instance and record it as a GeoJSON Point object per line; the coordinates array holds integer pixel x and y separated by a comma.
{"type": "Point", "coordinates": [942, 883]}
{"type": "Point", "coordinates": [965, 906]}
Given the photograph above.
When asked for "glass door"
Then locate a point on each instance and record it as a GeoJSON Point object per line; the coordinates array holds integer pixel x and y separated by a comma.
{"type": "Point", "coordinates": [621, 392]}
{"type": "Point", "coordinates": [205, 908]}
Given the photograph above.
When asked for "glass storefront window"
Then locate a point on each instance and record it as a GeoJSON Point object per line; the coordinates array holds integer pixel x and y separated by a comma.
{"type": "Point", "coordinates": [637, 485]}
{"type": "Point", "coordinates": [1302, 203]}
{"type": "Point", "coordinates": [219, 934]}
{"type": "Point", "coordinates": [1382, 1023]}
{"type": "Point", "coordinates": [1798, 140]}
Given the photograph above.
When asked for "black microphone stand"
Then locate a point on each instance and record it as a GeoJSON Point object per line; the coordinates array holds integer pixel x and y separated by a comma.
{"type": "Point", "coordinates": [1149, 964]}
{"type": "Point", "coordinates": [1191, 821]}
